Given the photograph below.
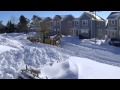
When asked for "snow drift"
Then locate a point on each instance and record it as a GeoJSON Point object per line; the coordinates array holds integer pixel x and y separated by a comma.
{"type": "Point", "coordinates": [81, 68]}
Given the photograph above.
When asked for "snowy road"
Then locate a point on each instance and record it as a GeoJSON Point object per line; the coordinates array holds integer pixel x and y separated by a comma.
{"type": "Point", "coordinates": [101, 53]}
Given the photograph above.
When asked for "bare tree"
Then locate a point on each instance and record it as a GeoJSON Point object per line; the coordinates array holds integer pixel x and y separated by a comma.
{"type": "Point", "coordinates": [14, 20]}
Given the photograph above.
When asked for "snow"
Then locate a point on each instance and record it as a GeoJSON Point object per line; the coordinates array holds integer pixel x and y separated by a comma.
{"type": "Point", "coordinates": [81, 68]}
{"type": "Point", "coordinates": [51, 37]}
{"type": "Point", "coordinates": [6, 48]}
{"type": "Point", "coordinates": [97, 17]}
{"type": "Point", "coordinates": [74, 58]}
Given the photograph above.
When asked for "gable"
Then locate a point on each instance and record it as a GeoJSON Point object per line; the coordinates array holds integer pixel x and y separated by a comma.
{"type": "Point", "coordinates": [84, 16]}
{"type": "Point", "coordinates": [113, 15]}
{"type": "Point", "coordinates": [56, 18]}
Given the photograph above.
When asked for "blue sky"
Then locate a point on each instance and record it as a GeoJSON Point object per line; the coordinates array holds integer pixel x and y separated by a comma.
{"type": "Point", "coordinates": [6, 15]}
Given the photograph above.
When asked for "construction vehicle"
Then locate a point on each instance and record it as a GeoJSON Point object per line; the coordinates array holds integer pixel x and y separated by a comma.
{"type": "Point", "coordinates": [45, 36]}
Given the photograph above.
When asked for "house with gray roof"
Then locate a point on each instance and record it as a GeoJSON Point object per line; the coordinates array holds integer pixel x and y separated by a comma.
{"type": "Point", "coordinates": [89, 25]}
{"type": "Point", "coordinates": [92, 26]}
{"type": "Point", "coordinates": [75, 28]}
{"type": "Point", "coordinates": [62, 24]}
{"type": "Point", "coordinates": [113, 27]}
{"type": "Point", "coordinates": [35, 26]}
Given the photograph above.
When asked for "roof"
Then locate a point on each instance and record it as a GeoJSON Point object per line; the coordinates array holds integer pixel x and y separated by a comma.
{"type": "Point", "coordinates": [113, 15]}
{"type": "Point", "coordinates": [63, 17]}
{"type": "Point", "coordinates": [76, 19]}
{"type": "Point", "coordinates": [45, 18]}
{"type": "Point", "coordinates": [111, 28]}
{"type": "Point", "coordinates": [94, 17]}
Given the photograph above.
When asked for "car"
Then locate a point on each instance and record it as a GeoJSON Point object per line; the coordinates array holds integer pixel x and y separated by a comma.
{"type": "Point", "coordinates": [82, 37]}
{"type": "Point", "coordinates": [114, 42]}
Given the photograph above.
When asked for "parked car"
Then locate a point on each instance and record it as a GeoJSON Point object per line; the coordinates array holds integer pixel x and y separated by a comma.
{"type": "Point", "coordinates": [82, 37]}
{"type": "Point", "coordinates": [114, 42]}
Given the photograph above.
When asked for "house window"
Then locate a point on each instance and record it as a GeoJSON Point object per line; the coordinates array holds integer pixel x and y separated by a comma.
{"type": "Point", "coordinates": [112, 22]}
{"type": "Point", "coordinates": [113, 34]}
{"type": "Point", "coordinates": [119, 22]}
{"type": "Point", "coordinates": [100, 31]}
{"type": "Point", "coordinates": [69, 23]}
{"type": "Point", "coordinates": [85, 22]}
{"type": "Point", "coordinates": [51, 23]}
{"type": "Point", "coordinates": [109, 21]}
{"type": "Point", "coordinates": [54, 23]}
{"type": "Point", "coordinates": [58, 29]}
{"type": "Point", "coordinates": [98, 23]}
{"type": "Point", "coordinates": [48, 23]}
{"type": "Point", "coordinates": [74, 22]}
{"type": "Point", "coordinates": [58, 23]}
{"type": "Point", "coordinates": [77, 22]}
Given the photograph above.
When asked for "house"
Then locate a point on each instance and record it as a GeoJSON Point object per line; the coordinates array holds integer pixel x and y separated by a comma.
{"type": "Point", "coordinates": [45, 26]}
{"type": "Point", "coordinates": [61, 24]}
{"type": "Point", "coordinates": [113, 28]}
{"type": "Point", "coordinates": [89, 25]}
{"type": "Point", "coordinates": [75, 27]}
{"type": "Point", "coordinates": [34, 26]}
{"type": "Point", "coordinates": [48, 22]}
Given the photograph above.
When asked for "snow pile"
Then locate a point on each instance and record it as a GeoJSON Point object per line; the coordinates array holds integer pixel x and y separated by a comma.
{"type": "Point", "coordinates": [17, 51]}
{"type": "Point", "coordinates": [81, 68]}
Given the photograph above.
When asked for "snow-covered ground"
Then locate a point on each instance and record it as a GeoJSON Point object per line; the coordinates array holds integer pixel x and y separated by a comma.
{"type": "Point", "coordinates": [81, 68]}
{"type": "Point", "coordinates": [101, 52]}
{"type": "Point", "coordinates": [75, 58]}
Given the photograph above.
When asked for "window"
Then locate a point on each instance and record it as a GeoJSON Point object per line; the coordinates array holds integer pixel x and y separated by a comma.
{"type": "Point", "coordinates": [70, 30]}
{"type": "Point", "coordinates": [109, 22]}
{"type": "Point", "coordinates": [85, 22]}
{"type": "Point", "coordinates": [48, 23]}
{"type": "Point", "coordinates": [98, 23]}
{"type": "Point", "coordinates": [113, 34]}
{"type": "Point", "coordinates": [54, 23]}
{"type": "Point", "coordinates": [100, 31]}
{"type": "Point", "coordinates": [112, 22]}
{"type": "Point", "coordinates": [58, 29]}
{"type": "Point", "coordinates": [74, 22]}
{"type": "Point", "coordinates": [58, 23]}
{"type": "Point", "coordinates": [119, 22]}
{"type": "Point", "coordinates": [69, 23]}
{"type": "Point", "coordinates": [77, 22]}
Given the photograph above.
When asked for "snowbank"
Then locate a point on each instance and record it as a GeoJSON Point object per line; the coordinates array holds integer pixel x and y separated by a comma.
{"type": "Point", "coordinates": [16, 52]}
{"type": "Point", "coordinates": [81, 68]}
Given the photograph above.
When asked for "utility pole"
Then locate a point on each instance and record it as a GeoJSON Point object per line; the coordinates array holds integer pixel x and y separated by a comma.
{"type": "Point", "coordinates": [95, 27]}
